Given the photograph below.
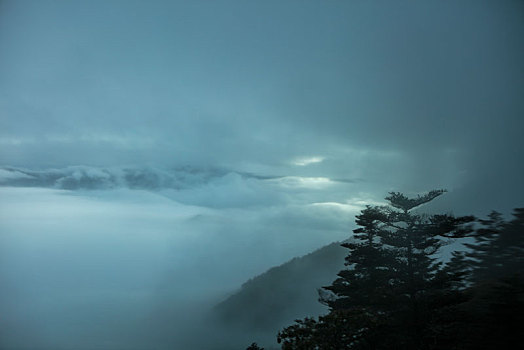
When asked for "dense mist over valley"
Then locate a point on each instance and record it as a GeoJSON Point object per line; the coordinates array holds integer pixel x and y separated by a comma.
{"type": "Point", "coordinates": [158, 252]}
{"type": "Point", "coordinates": [180, 174]}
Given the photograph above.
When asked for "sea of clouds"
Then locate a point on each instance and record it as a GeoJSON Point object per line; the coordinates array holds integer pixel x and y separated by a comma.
{"type": "Point", "coordinates": [124, 257]}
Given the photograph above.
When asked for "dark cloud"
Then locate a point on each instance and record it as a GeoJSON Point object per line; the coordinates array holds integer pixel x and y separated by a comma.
{"type": "Point", "coordinates": [279, 119]}
{"type": "Point", "coordinates": [175, 83]}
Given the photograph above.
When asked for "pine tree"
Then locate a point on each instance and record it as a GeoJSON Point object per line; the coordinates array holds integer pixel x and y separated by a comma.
{"type": "Point", "coordinates": [393, 281]}
{"type": "Point", "coordinates": [485, 308]}
{"type": "Point", "coordinates": [510, 244]}
{"type": "Point", "coordinates": [499, 247]}
{"type": "Point", "coordinates": [364, 284]}
{"type": "Point", "coordinates": [420, 279]}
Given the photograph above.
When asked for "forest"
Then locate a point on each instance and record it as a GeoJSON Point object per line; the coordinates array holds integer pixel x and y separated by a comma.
{"type": "Point", "coordinates": [397, 292]}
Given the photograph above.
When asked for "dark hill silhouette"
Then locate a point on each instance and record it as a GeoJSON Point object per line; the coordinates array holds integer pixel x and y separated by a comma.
{"type": "Point", "coordinates": [284, 293]}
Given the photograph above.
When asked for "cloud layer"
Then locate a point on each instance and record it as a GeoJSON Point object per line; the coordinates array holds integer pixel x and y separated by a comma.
{"type": "Point", "coordinates": [118, 267]}
{"type": "Point", "coordinates": [410, 95]}
{"type": "Point", "coordinates": [190, 139]}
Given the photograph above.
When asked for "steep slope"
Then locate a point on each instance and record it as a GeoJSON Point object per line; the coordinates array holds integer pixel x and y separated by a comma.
{"type": "Point", "coordinates": [284, 293]}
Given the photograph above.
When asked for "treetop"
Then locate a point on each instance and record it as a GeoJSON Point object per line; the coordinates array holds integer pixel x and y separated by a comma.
{"type": "Point", "coordinates": [400, 201]}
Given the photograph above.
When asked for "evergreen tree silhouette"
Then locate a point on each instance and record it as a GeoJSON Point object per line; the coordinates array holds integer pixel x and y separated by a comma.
{"type": "Point", "coordinates": [387, 295]}
{"type": "Point", "coordinates": [499, 247]}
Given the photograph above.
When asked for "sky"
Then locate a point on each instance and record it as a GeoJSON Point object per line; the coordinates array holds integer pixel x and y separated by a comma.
{"type": "Point", "coordinates": [177, 133]}
{"type": "Point", "coordinates": [416, 94]}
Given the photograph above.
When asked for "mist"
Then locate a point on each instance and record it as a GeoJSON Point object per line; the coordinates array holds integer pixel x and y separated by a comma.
{"type": "Point", "coordinates": [156, 155]}
{"type": "Point", "coordinates": [142, 268]}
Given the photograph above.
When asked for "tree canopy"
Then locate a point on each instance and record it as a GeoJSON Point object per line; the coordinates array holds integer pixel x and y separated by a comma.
{"type": "Point", "coordinates": [396, 292]}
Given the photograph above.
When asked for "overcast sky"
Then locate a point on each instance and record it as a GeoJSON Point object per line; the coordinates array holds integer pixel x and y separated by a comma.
{"type": "Point", "coordinates": [286, 118]}
{"type": "Point", "coordinates": [427, 93]}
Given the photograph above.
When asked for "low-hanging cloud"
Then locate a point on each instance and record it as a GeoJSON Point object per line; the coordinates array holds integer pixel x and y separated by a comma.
{"type": "Point", "coordinates": [75, 258]}
{"type": "Point", "coordinates": [165, 151]}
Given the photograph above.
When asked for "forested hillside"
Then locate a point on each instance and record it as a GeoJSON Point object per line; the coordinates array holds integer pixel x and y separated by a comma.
{"type": "Point", "coordinates": [396, 294]}
{"type": "Point", "coordinates": [284, 293]}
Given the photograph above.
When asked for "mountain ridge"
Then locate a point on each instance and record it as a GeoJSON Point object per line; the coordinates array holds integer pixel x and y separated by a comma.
{"type": "Point", "coordinates": [283, 293]}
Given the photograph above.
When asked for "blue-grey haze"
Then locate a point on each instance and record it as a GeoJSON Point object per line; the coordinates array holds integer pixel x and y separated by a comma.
{"type": "Point", "coordinates": [156, 154]}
